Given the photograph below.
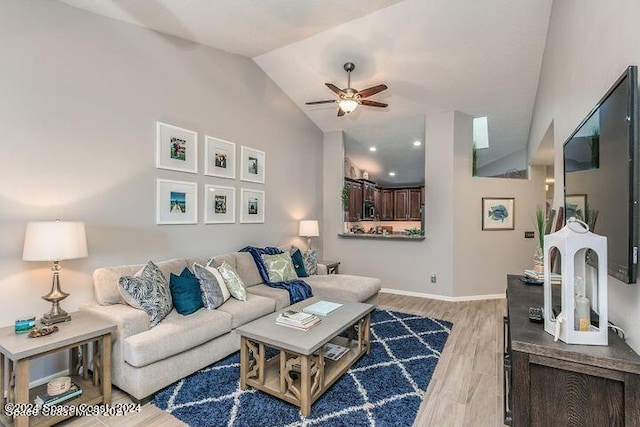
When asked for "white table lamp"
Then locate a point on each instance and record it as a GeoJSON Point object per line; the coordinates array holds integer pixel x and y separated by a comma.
{"type": "Point", "coordinates": [309, 229]}
{"type": "Point", "coordinates": [55, 241]}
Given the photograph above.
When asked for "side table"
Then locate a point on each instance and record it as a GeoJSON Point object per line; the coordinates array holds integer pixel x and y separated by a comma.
{"type": "Point", "coordinates": [332, 266]}
{"type": "Point", "coordinates": [73, 336]}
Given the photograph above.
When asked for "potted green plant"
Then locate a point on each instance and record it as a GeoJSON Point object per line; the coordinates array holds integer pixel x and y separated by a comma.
{"type": "Point", "coordinates": [541, 230]}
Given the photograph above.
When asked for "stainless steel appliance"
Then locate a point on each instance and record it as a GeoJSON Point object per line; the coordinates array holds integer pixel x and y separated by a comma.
{"type": "Point", "coordinates": [368, 210]}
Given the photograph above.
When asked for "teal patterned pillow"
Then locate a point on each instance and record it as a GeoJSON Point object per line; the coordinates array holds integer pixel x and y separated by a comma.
{"type": "Point", "coordinates": [279, 267]}
{"type": "Point", "coordinates": [233, 281]}
{"type": "Point", "coordinates": [310, 259]}
{"type": "Point", "coordinates": [148, 291]}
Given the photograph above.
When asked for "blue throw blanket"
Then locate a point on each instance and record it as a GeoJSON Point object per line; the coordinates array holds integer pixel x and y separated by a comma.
{"type": "Point", "coordinates": [298, 289]}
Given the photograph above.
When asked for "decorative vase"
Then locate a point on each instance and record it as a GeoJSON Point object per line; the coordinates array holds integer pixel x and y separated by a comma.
{"type": "Point", "coordinates": [538, 260]}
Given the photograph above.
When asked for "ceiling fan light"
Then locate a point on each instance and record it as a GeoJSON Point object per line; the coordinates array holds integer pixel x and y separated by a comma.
{"type": "Point", "coordinates": [348, 105]}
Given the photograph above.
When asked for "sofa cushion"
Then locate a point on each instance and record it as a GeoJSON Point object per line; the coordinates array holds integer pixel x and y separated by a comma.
{"type": "Point", "coordinates": [245, 311]}
{"type": "Point", "coordinates": [246, 268]}
{"type": "Point", "coordinates": [280, 296]}
{"type": "Point", "coordinates": [148, 291]}
{"type": "Point", "coordinates": [175, 334]}
{"type": "Point", "coordinates": [105, 280]}
{"type": "Point", "coordinates": [344, 287]}
{"type": "Point", "coordinates": [234, 283]}
{"type": "Point", "coordinates": [229, 258]}
{"type": "Point", "coordinates": [185, 292]}
{"type": "Point", "coordinates": [279, 267]}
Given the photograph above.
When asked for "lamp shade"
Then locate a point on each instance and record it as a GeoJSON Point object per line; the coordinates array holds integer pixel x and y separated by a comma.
{"type": "Point", "coordinates": [54, 241]}
{"type": "Point", "coordinates": [309, 228]}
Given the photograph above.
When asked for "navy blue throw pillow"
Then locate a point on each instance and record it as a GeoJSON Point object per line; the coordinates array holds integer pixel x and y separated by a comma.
{"type": "Point", "coordinates": [185, 291]}
{"type": "Point", "coordinates": [298, 263]}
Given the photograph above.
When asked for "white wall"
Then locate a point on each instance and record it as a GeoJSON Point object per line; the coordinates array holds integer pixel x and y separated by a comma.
{"type": "Point", "coordinates": [483, 258]}
{"type": "Point", "coordinates": [80, 97]}
{"type": "Point", "coordinates": [402, 265]}
{"type": "Point", "coordinates": [589, 44]}
{"type": "Point", "coordinates": [468, 262]}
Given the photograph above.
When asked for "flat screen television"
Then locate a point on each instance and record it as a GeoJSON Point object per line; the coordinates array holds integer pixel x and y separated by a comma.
{"type": "Point", "coordinates": [601, 174]}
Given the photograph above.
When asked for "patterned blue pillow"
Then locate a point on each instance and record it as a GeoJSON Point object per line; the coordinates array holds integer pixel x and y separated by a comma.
{"type": "Point", "coordinates": [298, 262]}
{"type": "Point", "coordinates": [185, 292]}
{"type": "Point", "coordinates": [212, 292]}
{"type": "Point", "coordinates": [310, 259]}
{"type": "Point", "coordinates": [148, 291]}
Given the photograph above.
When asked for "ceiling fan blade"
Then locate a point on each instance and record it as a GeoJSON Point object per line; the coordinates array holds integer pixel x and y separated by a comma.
{"type": "Point", "coordinates": [335, 89]}
{"type": "Point", "coordinates": [373, 103]}
{"type": "Point", "coordinates": [365, 93]}
{"type": "Point", "coordinates": [341, 112]}
{"type": "Point", "coordinates": [328, 101]}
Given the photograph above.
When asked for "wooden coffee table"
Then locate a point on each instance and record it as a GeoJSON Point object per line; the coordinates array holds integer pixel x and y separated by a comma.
{"type": "Point", "coordinates": [300, 374]}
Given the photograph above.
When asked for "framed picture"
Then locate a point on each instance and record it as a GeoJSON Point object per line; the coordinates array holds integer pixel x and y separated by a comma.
{"type": "Point", "coordinates": [575, 205]}
{"type": "Point", "coordinates": [220, 158]}
{"type": "Point", "coordinates": [253, 165]}
{"type": "Point", "coordinates": [176, 148]}
{"type": "Point", "coordinates": [176, 202]}
{"type": "Point", "coordinates": [498, 213]}
{"type": "Point", "coordinates": [252, 206]}
{"type": "Point", "coordinates": [219, 204]}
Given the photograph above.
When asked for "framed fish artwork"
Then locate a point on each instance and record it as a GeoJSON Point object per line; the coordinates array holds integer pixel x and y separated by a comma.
{"type": "Point", "coordinates": [498, 213]}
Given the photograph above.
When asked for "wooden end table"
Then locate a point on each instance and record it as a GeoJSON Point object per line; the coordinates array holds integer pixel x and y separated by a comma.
{"type": "Point", "coordinates": [75, 336]}
{"type": "Point", "coordinates": [300, 374]}
{"type": "Point", "coordinates": [332, 266]}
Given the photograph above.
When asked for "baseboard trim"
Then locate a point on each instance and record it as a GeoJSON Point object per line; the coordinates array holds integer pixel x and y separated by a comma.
{"type": "Point", "coordinates": [442, 297]}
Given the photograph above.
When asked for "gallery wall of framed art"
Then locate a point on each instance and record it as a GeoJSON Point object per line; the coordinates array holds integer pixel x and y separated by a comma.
{"type": "Point", "coordinates": [177, 200]}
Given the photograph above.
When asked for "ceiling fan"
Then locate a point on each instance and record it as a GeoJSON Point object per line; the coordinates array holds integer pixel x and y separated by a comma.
{"type": "Point", "coordinates": [350, 98]}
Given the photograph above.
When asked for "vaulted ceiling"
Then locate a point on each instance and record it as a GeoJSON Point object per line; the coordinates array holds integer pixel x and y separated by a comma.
{"type": "Point", "coordinates": [482, 58]}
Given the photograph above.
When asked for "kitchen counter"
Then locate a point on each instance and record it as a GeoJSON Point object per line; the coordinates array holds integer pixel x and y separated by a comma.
{"type": "Point", "coordinates": [399, 236]}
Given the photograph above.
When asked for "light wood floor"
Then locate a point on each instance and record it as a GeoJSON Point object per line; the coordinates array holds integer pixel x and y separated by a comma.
{"type": "Point", "coordinates": [466, 388]}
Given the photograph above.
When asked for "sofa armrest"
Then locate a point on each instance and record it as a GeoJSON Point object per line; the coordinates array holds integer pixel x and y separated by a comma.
{"type": "Point", "coordinates": [130, 321]}
{"type": "Point", "coordinates": [322, 269]}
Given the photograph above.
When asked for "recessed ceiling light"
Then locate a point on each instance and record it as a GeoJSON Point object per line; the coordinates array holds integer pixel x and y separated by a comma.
{"type": "Point", "coordinates": [392, 174]}
{"type": "Point", "coordinates": [417, 143]}
{"type": "Point", "coordinates": [372, 149]}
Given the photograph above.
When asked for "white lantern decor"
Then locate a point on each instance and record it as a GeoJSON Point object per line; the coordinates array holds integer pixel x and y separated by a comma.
{"type": "Point", "coordinates": [581, 290]}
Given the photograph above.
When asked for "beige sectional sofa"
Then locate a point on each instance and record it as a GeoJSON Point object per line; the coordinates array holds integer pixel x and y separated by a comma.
{"type": "Point", "coordinates": [145, 360]}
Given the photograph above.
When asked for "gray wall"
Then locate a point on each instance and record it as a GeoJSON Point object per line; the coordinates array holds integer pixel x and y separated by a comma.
{"type": "Point", "coordinates": [468, 262]}
{"type": "Point", "coordinates": [589, 44]}
{"type": "Point", "coordinates": [80, 97]}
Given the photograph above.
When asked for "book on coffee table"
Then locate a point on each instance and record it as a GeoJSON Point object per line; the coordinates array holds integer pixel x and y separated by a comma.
{"type": "Point", "coordinates": [334, 351]}
{"type": "Point", "coordinates": [297, 320]}
{"type": "Point", "coordinates": [322, 308]}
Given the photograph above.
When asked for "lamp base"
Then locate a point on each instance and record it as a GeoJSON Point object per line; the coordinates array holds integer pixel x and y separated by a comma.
{"type": "Point", "coordinates": [49, 319]}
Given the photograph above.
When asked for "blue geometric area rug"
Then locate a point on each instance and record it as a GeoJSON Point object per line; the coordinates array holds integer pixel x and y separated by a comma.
{"type": "Point", "coordinates": [384, 388]}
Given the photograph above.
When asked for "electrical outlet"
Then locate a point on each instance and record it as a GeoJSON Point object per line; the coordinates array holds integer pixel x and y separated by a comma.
{"type": "Point", "coordinates": [529, 234]}
{"type": "Point", "coordinates": [434, 278]}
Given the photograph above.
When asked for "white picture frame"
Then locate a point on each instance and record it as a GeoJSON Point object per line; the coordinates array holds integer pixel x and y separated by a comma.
{"type": "Point", "coordinates": [176, 148]}
{"type": "Point", "coordinates": [252, 206]}
{"type": "Point", "coordinates": [252, 168]}
{"type": "Point", "coordinates": [219, 157]}
{"type": "Point", "coordinates": [219, 204]}
{"type": "Point", "coordinates": [176, 202]}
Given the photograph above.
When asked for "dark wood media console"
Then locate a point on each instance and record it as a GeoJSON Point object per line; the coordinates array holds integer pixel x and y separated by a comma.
{"type": "Point", "coordinates": [549, 383]}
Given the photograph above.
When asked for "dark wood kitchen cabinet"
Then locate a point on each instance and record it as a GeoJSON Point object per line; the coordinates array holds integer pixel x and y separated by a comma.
{"type": "Point", "coordinates": [415, 204]}
{"type": "Point", "coordinates": [400, 205]}
{"type": "Point", "coordinates": [368, 191]}
{"type": "Point", "coordinates": [387, 205]}
{"type": "Point", "coordinates": [377, 202]}
{"type": "Point", "coordinates": [355, 200]}
{"type": "Point", "coordinates": [550, 383]}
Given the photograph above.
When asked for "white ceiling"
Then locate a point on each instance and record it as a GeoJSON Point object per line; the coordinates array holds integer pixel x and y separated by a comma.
{"type": "Point", "coordinates": [482, 58]}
